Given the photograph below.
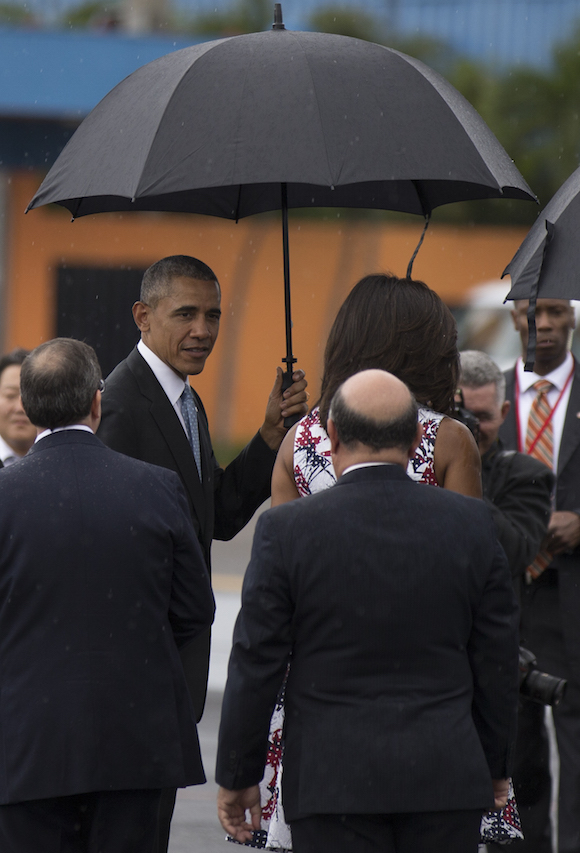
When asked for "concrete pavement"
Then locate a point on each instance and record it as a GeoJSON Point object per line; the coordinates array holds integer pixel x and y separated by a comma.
{"type": "Point", "coordinates": [195, 827]}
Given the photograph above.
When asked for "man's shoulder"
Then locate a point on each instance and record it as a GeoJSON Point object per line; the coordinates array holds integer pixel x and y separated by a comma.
{"type": "Point", "coordinates": [417, 497]}
{"type": "Point", "coordinates": [522, 462]}
{"type": "Point", "coordinates": [132, 371]}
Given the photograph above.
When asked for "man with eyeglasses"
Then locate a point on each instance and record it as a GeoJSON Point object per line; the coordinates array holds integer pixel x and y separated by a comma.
{"type": "Point", "coordinates": [102, 581]}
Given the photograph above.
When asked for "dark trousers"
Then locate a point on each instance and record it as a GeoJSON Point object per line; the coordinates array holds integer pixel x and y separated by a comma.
{"type": "Point", "coordinates": [164, 816]}
{"type": "Point", "coordinates": [99, 822]}
{"type": "Point", "coordinates": [427, 832]}
{"type": "Point", "coordinates": [541, 632]}
{"type": "Point", "coordinates": [532, 781]}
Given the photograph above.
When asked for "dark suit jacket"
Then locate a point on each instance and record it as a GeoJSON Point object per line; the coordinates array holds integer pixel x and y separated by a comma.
{"type": "Point", "coordinates": [101, 578]}
{"type": "Point", "coordinates": [517, 488]}
{"type": "Point", "coordinates": [396, 604]}
{"type": "Point", "coordinates": [567, 497]}
{"type": "Point", "coordinates": [138, 420]}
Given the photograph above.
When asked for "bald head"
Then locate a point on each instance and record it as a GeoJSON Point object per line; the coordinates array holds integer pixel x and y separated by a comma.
{"type": "Point", "coordinates": [373, 417]}
{"type": "Point", "coordinates": [377, 395]}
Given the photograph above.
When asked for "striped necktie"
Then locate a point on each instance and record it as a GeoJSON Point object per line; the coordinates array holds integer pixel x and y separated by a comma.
{"type": "Point", "coordinates": [540, 444]}
{"type": "Point", "coordinates": [189, 412]}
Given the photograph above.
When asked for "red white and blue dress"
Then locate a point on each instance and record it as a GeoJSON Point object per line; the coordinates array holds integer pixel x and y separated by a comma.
{"type": "Point", "coordinates": [312, 464]}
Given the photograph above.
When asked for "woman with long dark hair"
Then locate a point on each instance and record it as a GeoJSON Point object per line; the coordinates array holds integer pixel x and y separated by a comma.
{"type": "Point", "coordinates": [402, 326]}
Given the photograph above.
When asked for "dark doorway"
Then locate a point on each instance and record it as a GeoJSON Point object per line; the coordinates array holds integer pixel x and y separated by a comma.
{"type": "Point", "coordinates": [94, 305]}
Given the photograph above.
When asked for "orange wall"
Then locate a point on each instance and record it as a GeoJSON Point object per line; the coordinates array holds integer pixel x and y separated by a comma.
{"type": "Point", "coordinates": [326, 259]}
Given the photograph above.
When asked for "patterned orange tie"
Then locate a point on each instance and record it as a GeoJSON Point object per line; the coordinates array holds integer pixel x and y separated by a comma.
{"type": "Point", "coordinates": [540, 444]}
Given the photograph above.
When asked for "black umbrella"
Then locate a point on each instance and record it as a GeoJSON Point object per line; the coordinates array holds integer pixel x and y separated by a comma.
{"type": "Point", "coordinates": [547, 263]}
{"type": "Point", "coordinates": [280, 120]}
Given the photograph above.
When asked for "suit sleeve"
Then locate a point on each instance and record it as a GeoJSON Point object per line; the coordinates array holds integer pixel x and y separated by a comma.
{"type": "Point", "coordinates": [493, 655]}
{"type": "Point", "coordinates": [242, 486]}
{"type": "Point", "coordinates": [260, 655]}
{"type": "Point", "coordinates": [191, 606]}
{"type": "Point", "coordinates": [521, 509]}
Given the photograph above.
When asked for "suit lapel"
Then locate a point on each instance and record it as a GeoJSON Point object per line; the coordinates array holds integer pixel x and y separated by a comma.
{"type": "Point", "coordinates": [571, 431]}
{"type": "Point", "coordinates": [170, 427]}
{"type": "Point", "coordinates": [508, 431]}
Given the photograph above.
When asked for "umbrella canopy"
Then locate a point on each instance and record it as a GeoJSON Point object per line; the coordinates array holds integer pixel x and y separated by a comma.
{"type": "Point", "coordinates": [547, 262]}
{"type": "Point", "coordinates": [216, 128]}
{"type": "Point", "coordinates": [280, 120]}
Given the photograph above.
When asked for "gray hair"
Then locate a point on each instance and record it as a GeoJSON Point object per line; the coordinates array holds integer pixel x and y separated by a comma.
{"type": "Point", "coordinates": [478, 369]}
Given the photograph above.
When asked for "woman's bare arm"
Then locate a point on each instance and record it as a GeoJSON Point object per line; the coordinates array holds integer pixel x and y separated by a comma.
{"type": "Point", "coordinates": [283, 485]}
{"type": "Point", "coordinates": [456, 459]}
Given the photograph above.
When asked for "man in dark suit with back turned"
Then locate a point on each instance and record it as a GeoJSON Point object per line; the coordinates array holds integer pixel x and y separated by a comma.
{"type": "Point", "coordinates": [546, 423]}
{"type": "Point", "coordinates": [150, 412]}
{"type": "Point", "coordinates": [101, 580]}
{"type": "Point", "coordinates": [395, 605]}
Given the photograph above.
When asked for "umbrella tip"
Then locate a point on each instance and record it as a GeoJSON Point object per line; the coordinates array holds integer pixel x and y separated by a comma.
{"type": "Point", "coordinates": [278, 25]}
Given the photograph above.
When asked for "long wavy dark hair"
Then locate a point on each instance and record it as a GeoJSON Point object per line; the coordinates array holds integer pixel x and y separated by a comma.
{"type": "Point", "coordinates": [399, 325]}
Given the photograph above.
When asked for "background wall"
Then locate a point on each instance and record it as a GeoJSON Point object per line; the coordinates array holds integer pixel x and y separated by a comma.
{"type": "Point", "coordinates": [326, 260]}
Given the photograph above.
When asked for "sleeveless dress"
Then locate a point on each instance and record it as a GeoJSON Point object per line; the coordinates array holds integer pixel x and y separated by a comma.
{"type": "Point", "coordinates": [312, 464]}
{"type": "Point", "coordinates": [313, 472]}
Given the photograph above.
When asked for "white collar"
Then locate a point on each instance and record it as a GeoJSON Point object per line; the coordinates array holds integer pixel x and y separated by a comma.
{"type": "Point", "coordinates": [46, 432]}
{"type": "Point", "coordinates": [6, 451]}
{"type": "Point", "coordinates": [364, 465]}
{"type": "Point", "coordinates": [557, 377]}
{"type": "Point", "coordinates": [171, 383]}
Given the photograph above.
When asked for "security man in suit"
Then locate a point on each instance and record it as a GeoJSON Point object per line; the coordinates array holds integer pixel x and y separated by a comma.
{"type": "Point", "coordinates": [101, 580]}
{"type": "Point", "coordinates": [394, 605]}
{"type": "Point", "coordinates": [151, 412]}
{"type": "Point", "coordinates": [518, 489]}
{"type": "Point", "coordinates": [544, 421]}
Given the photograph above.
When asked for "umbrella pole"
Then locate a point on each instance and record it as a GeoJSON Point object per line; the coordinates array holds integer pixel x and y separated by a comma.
{"type": "Point", "coordinates": [289, 360]}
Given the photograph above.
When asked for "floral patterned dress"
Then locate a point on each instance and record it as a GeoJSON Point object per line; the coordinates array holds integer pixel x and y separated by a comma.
{"type": "Point", "coordinates": [313, 469]}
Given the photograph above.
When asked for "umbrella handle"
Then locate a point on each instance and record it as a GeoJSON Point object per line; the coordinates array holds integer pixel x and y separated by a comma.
{"type": "Point", "coordinates": [286, 383]}
{"type": "Point", "coordinates": [289, 360]}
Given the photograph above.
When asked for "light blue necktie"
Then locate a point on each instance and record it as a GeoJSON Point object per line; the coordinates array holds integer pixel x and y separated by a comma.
{"type": "Point", "coordinates": [189, 412]}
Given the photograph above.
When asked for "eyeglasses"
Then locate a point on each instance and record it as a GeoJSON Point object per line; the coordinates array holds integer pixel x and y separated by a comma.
{"type": "Point", "coordinates": [101, 385]}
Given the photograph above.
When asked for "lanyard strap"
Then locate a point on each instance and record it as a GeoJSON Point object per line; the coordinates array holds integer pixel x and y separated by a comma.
{"type": "Point", "coordinates": [548, 418]}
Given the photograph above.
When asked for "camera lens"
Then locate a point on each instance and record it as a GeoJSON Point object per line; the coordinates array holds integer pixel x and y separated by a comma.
{"type": "Point", "coordinates": [543, 687]}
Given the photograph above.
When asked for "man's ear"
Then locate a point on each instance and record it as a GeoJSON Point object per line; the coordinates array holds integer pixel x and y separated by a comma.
{"type": "Point", "coordinates": [417, 440]}
{"type": "Point", "coordinates": [505, 409]}
{"type": "Point", "coordinates": [333, 436]}
{"type": "Point", "coordinates": [141, 316]}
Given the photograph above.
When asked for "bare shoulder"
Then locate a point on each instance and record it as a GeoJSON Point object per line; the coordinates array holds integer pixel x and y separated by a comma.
{"type": "Point", "coordinates": [283, 485]}
{"type": "Point", "coordinates": [457, 460]}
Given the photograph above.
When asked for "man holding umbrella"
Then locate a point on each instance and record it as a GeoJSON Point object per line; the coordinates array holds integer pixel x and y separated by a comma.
{"type": "Point", "coordinates": [544, 422]}
{"type": "Point", "coordinates": [151, 412]}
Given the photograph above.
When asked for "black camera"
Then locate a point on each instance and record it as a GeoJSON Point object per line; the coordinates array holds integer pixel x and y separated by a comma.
{"type": "Point", "coordinates": [539, 686]}
{"type": "Point", "coordinates": [464, 416]}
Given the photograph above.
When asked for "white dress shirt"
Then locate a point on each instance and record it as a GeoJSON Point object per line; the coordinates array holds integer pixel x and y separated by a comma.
{"type": "Point", "coordinates": [171, 383]}
{"type": "Point", "coordinates": [364, 465]}
{"type": "Point", "coordinates": [7, 455]}
{"type": "Point", "coordinates": [46, 432]}
{"type": "Point", "coordinates": [527, 395]}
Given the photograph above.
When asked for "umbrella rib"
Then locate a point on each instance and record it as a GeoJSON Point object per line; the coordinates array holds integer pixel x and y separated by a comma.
{"type": "Point", "coordinates": [326, 154]}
